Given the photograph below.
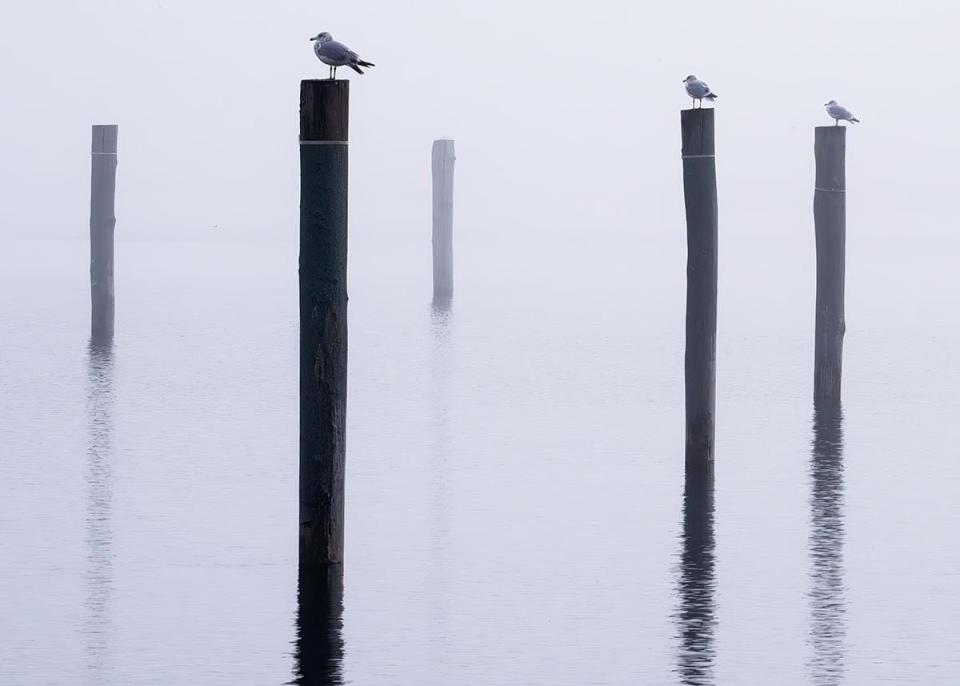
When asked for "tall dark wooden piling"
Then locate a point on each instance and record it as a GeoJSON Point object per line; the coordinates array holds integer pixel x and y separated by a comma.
{"type": "Point", "coordinates": [324, 115]}
{"type": "Point", "coordinates": [700, 198]}
{"type": "Point", "coordinates": [103, 221]}
{"type": "Point", "coordinates": [443, 161]}
{"type": "Point", "coordinates": [830, 220]}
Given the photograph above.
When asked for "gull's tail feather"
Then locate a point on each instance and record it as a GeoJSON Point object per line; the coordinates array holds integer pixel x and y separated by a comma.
{"type": "Point", "coordinates": [711, 96]}
{"type": "Point", "coordinates": [365, 64]}
{"type": "Point", "coordinates": [854, 120]}
{"type": "Point", "coordinates": [355, 68]}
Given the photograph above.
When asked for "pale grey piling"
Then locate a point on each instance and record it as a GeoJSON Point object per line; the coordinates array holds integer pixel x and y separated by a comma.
{"type": "Point", "coordinates": [324, 116]}
{"type": "Point", "coordinates": [443, 161]}
{"type": "Point", "coordinates": [103, 221]}
{"type": "Point", "coordinates": [700, 199]}
{"type": "Point", "coordinates": [830, 221]}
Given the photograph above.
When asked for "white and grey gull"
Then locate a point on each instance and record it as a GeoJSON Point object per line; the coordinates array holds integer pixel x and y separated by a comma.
{"type": "Point", "coordinates": [838, 112]}
{"type": "Point", "coordinates": [335, 54]}
{"type": "Point", "coordinates": [698, 90]}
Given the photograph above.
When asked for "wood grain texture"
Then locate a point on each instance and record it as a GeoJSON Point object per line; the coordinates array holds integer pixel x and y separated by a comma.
{"type": "Point", "coordinates": [444, 157]}
{"type": "Point", "coordinates": [700, 199]}
{"type": "Point", "coordinates": [103, 222]}
{"type": "Point", "coordinates": [830, 225]}
{"type": "Point", "coordinates": [323, 322]}
{"type": "Point", "coordinates": [324, 110]}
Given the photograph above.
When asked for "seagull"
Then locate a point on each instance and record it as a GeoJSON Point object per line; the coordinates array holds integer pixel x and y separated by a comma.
{"type": "Point", "coordinates": [698, 90]}
{"type": "Point", "coordinates": [838, 112]}
{"type": "Point", "coordinates": [335, 54]}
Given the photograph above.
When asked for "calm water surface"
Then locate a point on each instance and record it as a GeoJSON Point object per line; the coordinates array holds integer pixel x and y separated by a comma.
{"type": "Point", "coordinates": [517, 511]}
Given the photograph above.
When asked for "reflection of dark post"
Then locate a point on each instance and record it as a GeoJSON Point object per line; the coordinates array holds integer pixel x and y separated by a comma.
{"type": "Point", "coordinates": [324, 109]}
{"type": "Point", "coordinates": [319, 652]}
{"type": "Point", "coordinates": [827, 604]}
{"type": "Point", "coordinates": [700, 197]}
{"type": "Point", "coordinates": [103, 184]}
{"type": "Point", "coordinates": [695, 618]}
{"type": "Point", "coordinates": [830, 219]}
{"type": "Point", "coordinates": [443, 159]}
{"type": "Point", "coordinates": [99, 506]}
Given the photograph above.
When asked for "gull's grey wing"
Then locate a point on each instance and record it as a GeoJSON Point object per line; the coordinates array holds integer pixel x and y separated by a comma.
{"type": "Point", "coordinates": [839, 112]}
{"type": "Point", "coordinates": [339, 52]}
{"type": "Point", "coordinates": [697, 89]}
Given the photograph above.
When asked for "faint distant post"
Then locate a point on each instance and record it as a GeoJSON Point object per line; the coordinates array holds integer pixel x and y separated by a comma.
{"type": "Point", "coordinates": [830, 221]}
{"type": "Point", "coordinates": [324, 116]}
{"type": "Point", "coordinates": [103, 221]}
{"type": "Point", "coordinates": [700, 198]}
{"type": "Point", "coordinates": [443, 159]}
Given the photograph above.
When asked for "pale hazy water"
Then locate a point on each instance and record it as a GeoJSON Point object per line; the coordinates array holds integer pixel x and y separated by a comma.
{"type": "Point", "coordinates": [515, 509]}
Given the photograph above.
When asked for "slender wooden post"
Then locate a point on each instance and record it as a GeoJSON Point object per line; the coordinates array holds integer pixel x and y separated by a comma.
{"type": "Point", "coordinates": [830, 220]}
{"type": "Point", "coordinates": [700, 197]}
{"type": "Point", "coordinates": [324, 115]}
{"type": "Point", "coordinates": [103, 221]}
{"type": "Point", "coordinates": [443, 160]}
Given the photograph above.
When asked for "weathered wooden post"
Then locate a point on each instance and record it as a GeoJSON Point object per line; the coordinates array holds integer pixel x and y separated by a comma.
{"type": "Point", "coordinates": [830, 220]}
{"type": "Point", "coordinates": [103, 221]}
{"type": "Point", "coordinates": [700, 198]}
{"type": "Point", "coordinates": [443, 160]}
{"type": "Point", "coordinates": [324, 115]}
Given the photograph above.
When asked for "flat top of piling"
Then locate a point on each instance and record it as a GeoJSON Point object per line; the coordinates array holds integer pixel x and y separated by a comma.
{"type": "Point", "coordinates": [696, 131]}
{"type": "Point", "coordinates": [830, 152]}
{"type": "Point", "coordinates": [324, 110]}
{"type": "Point", "coordinates": [104, 138]}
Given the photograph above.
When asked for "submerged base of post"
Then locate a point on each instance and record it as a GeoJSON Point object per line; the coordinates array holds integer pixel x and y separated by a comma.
{"type": "Point", "coordinates": [829, 213]}
{"type": "Point", "coordinates": [324, 114]}
{"type": "Point", "coordinates": [700, 199]}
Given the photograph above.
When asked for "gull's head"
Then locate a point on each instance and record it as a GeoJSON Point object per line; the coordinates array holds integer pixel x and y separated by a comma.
{"type": "Point", "coordinates": [832, 102]}
{"type": "Point", "coordinates": [322, 37]}
{"type": "Point", "coordinates": [690, 78]}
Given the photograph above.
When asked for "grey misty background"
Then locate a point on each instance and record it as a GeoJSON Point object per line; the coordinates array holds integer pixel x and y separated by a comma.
{"type": "Point", "coordinates": [565, 116]}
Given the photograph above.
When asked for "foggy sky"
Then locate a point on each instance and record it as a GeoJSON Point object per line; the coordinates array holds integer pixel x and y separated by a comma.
{"type": "Point", "coordinates": [565, 117]}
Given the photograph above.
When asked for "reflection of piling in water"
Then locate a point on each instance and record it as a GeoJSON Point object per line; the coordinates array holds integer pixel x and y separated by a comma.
{"type": "Point", "coordinates": [695, 617]}
{"type": "Point", "coordinates": [99, 534]}
{"type": "Point", "coordinates": [319, 647]}
{"type": "Point", "coordinates": [700, 199]}
{"type": "Point", "coordinates": [827, 602]}
{"type": "Point", "coordinates": [324, 115]}
{"type": "Point", "coordinates": [830, 220]}
{"type": "Point", "coordinates": [441, 452]}
{"type": "Point", "coordinates": [103, 221]}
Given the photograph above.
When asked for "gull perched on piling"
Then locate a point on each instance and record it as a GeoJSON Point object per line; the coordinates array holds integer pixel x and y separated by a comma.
{"type": "Point", "coordinates": [838, 112]}
{"type": "Point", "coordinates": [698, 90]}
{"type": "Point", "coordinates": [335, 54]}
